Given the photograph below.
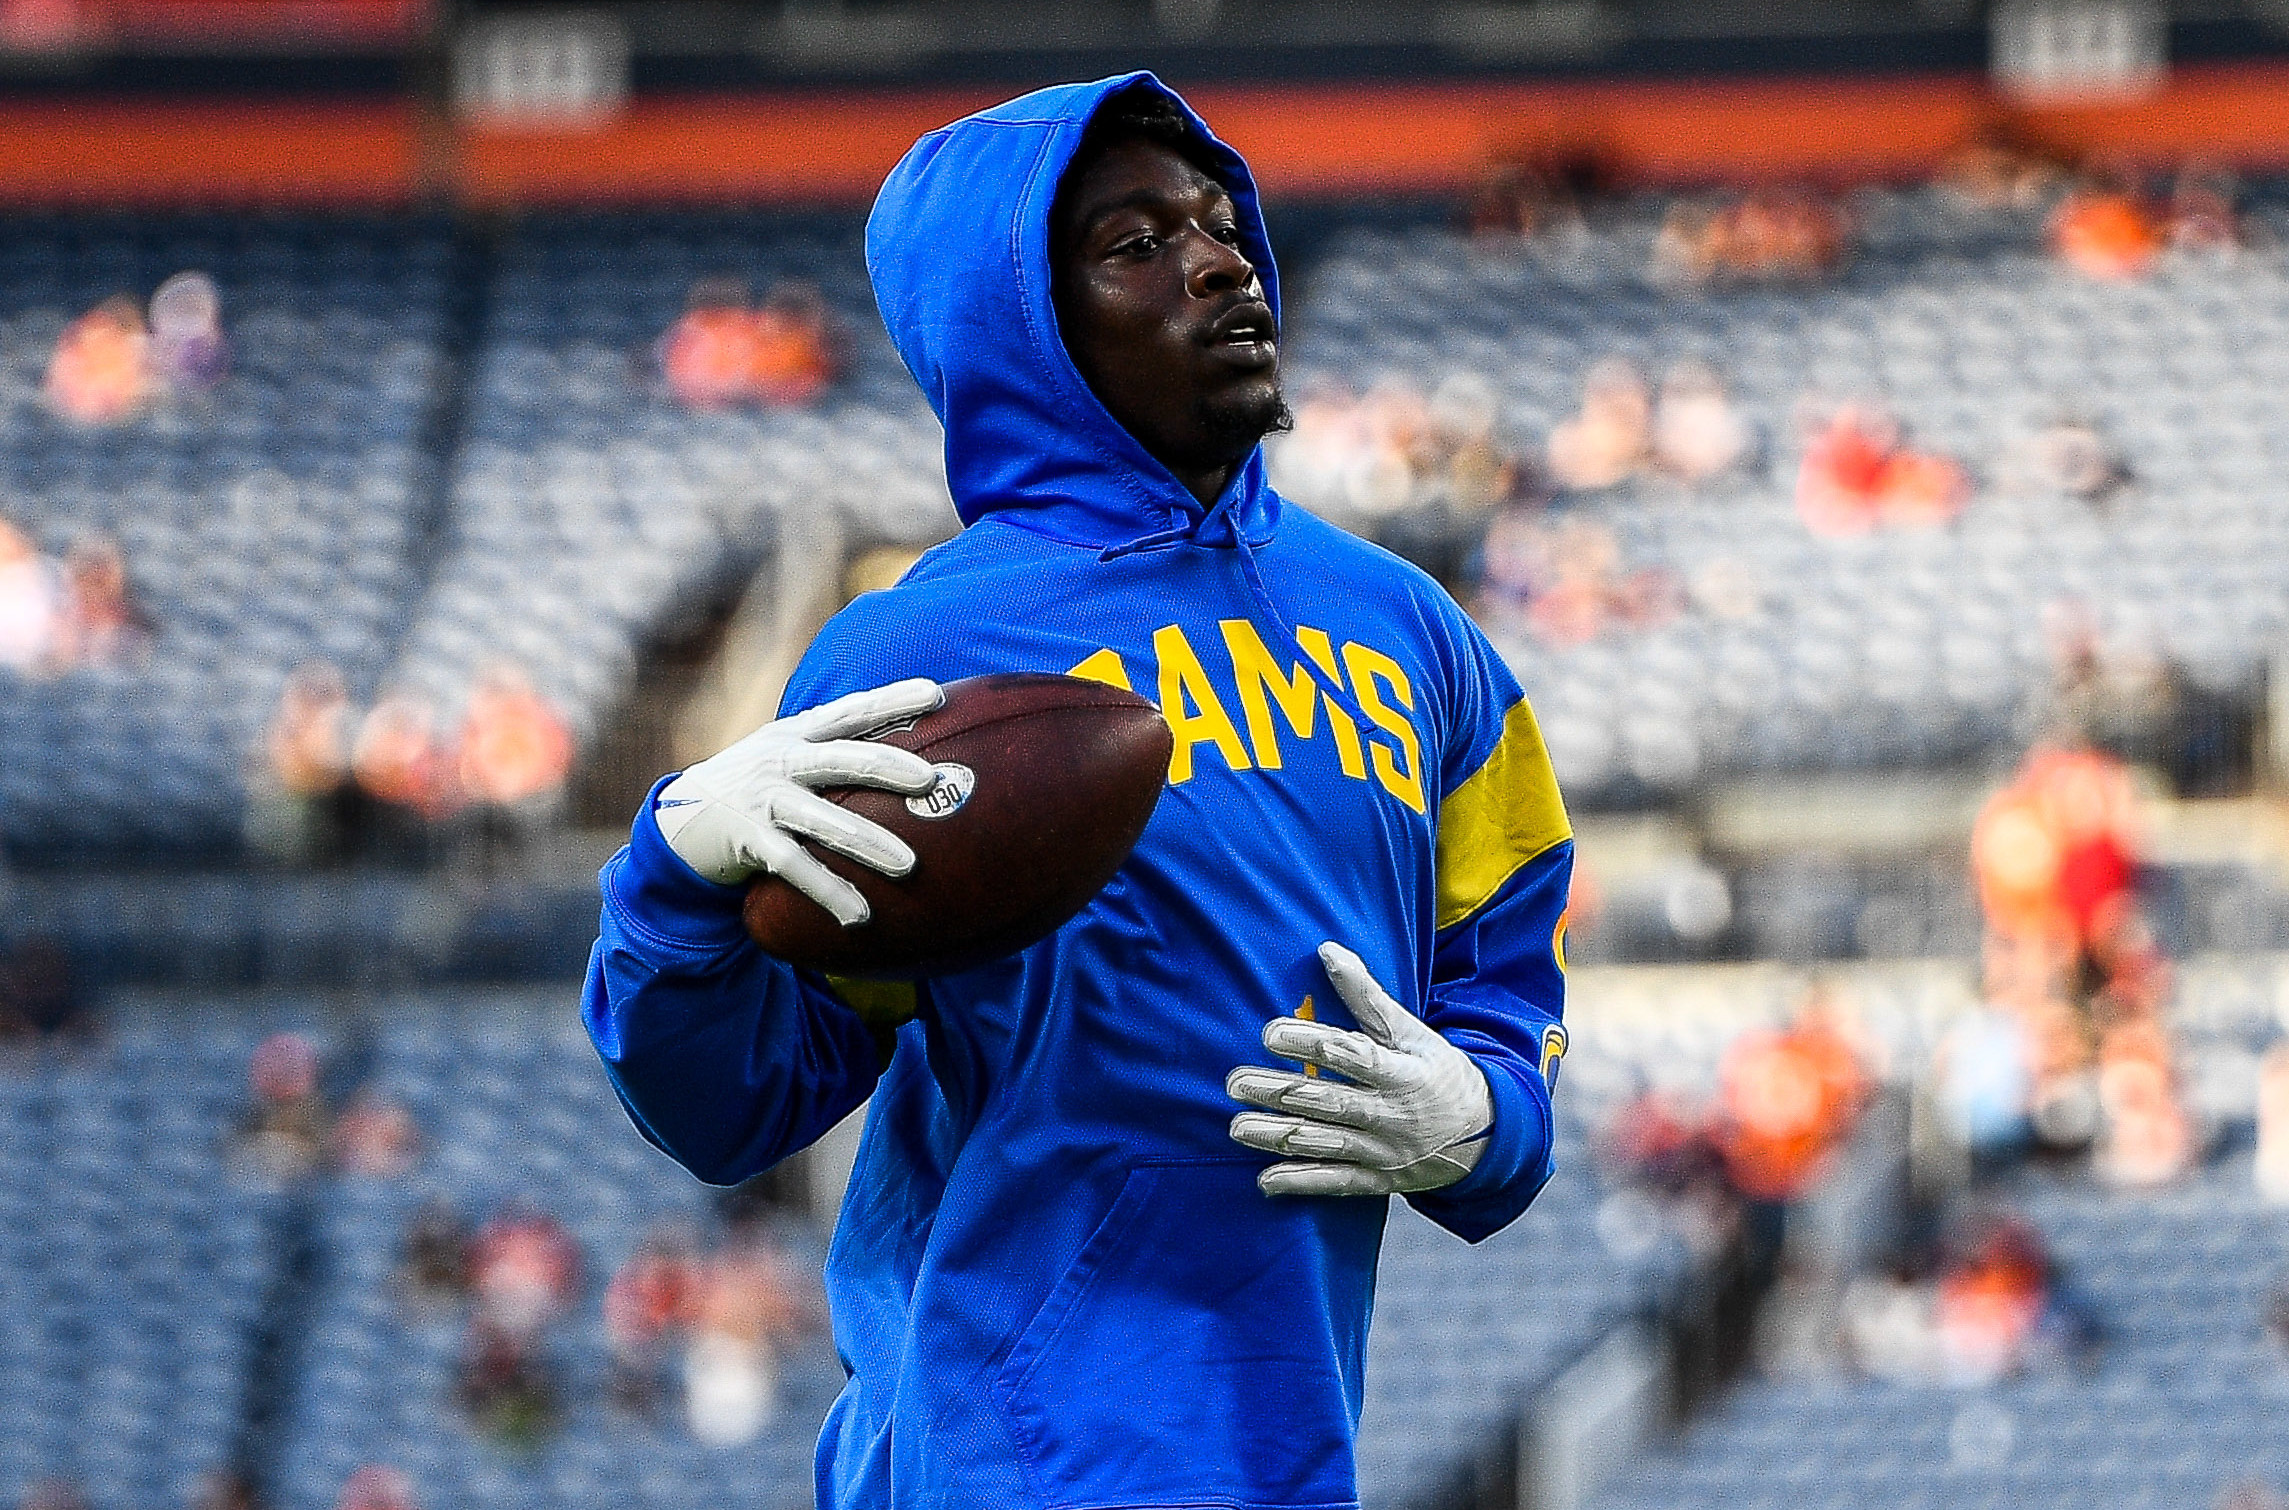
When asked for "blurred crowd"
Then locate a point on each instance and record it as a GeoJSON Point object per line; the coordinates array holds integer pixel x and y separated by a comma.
{"type": "Point", "coordinates": [1981, 1299]}
{"type": "Point", "coordinates": [330, 781]}
{"type": "Point", "coordinates": [121, 357]}
{"type": "Point", "coordinates": [55, 616]}
{"type": "Point", "coordinates": [728, 349]}
{"type": "Point", "coordinates": [690, 1326]}
{"type": "Point", "coordinates": [290, 1133]}
{"type": "Point", "coordinates": [2069, 1052]}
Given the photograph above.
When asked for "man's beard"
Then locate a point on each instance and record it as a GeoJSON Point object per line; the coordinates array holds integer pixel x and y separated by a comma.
{"type": "Point", "coordinates": [1235, 422]}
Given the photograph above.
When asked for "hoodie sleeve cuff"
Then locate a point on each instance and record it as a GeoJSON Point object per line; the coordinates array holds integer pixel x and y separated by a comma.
{"type": "Point", "coordinates": [1515, 1165]}
{"type": "Point", "coordinates": [651, 887]}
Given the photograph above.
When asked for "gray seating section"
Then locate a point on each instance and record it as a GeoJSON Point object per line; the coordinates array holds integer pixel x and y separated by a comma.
{"type": "Point", "coordinates": [144, 1260]}
{"type": "Point", "coordinates": [1907, 647]}
{"type": "Point", "coordinates": [590, 506]}
{"type": "Point", "coordinates": [1465, 1334]}
{"type": "Point", "coordinates": [514, 1108]}
{"type": "Point", "coordinates": [272, 521]}
{"type": "Point", "coordinates": [2184, 1402]}
{"type": "Point", "coordinates": [135, 1263]}
{"type": "Point", "coordinates": [587, 514]}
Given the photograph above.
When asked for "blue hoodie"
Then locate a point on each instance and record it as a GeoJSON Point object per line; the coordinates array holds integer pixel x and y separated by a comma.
{"type": "Point", "coordinates": [1054, 1282]}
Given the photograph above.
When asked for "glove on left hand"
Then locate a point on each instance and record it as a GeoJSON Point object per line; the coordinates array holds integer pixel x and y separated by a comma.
{"type": "Point", "coordinates": [1413, 1117]}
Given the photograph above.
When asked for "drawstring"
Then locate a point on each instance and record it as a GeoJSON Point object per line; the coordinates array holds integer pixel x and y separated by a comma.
{"type": "Point", "coordinates": [1158, 540]}
{"type": "Point", "coordinates": [1207, 530]}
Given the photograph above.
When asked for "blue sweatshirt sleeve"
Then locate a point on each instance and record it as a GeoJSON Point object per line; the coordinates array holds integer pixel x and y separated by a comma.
{"type": "Point", "coordinates": [725, 1058]}
{"type": "Point", "coordinates": [1498, 993]}
{"type": "Point", "coordinates": [1504, 866]}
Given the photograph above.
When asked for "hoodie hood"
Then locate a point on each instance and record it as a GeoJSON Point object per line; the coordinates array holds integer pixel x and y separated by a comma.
{"type": "Point", "coordinates": [958, 251]}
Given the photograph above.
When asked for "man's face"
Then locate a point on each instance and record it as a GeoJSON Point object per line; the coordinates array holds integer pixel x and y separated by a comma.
{"type": "Point", "coordinates": [1162, 312]}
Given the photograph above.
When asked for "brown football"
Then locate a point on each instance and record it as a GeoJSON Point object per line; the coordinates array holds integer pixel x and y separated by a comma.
{"type": "Point", "coordinates": [1045, 784]}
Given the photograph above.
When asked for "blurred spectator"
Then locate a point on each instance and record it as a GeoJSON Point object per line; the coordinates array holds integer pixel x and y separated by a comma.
{"type": "Point", "coordinates": [1789, 1099]}
{"type": "Point", "coordinates": [188, 350]}
{"type": "Point", "coordinates": [796, 344]}
{"type": "Point", "coordinates": [308, 742]}
{"type": "Point", "coordinates": [515, 748]}
{"type": "Point", "coordinates": [98, 624]}
{"type": "Point", "coordinates": [1859, 475]}
{"type": "Point", "coordinates": [2145, 1135]}
{"type": "Point", "coordinates": [746, 1309]}
{"type": "Point", "coordinates": [1991, 1298]}
{"type": "Point", "coordinates": [2071, 455]}
{"type": "Point", "coordinates": [648, 1303]}
{"type": "Point", "coordinates": [1417, 474]}
{"type": "Point", "coordinates": [375, 1487]}
{"type": "Point", "coordinates": [507, 1386]}
{"type": "Point", "coordinates": [301, 801]}
{"type": "Point", "coordinates": [2054, 852]}
{"type": "Point", "coordinates": [1611, 437]}
{"type": "Point", "coordinates": [1992, 172]}
{"type": "Point", "coordinates": [434, 1256]}
{"type": "Point", "coordinates": [1347, 455]}
{"type": "Point", "coordinates": [2106, 229]}
{"type": "Point", "coordinates": [2273, 1126]}
{"type": "Point", "coordinates": [2202, 213]}
{"type": "Point", "coordinates": [1394, 450]}
{"type": "Point", "coordinates": [28, 602]}
{"type": "Point", "coordinates": [1662, 1145]}
{"type": "Point", "coordinates": [399, 759]}
{"type": "Point", "coordinates": [708, 356]}
{"type": "Point", "coordinates": [1993, 1304]}
{"type": "Point", "coordinates": [524, 1270]}
{"type": "Point", "coordinates": [1520, 200]}
{"type": "Point", "coordinates": [721, 352]}
{"type": "Point", "coordinates": [1564, 582]}
{"type": "Point", "coordinates": [1697, 433]}
{"type": "Point", "coordinates": [375, 1138]}
{"type": "Point", "coordinates": [39, 994]}
{"type": "Point", "coordinates": [287, 1133]}
{"type": "Point", "coordinates": [2055, 858]}
{"type": "Point", "coordinates": [1765, 237]}
{"type": "Point", "coordinates": [101, 371]}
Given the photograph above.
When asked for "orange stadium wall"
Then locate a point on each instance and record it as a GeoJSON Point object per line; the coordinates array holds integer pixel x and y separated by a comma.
{"type": "Point", "coordinates": [1305, 140]}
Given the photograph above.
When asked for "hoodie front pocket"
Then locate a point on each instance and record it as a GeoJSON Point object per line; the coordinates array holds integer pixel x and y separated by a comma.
{"type": "Point", "coordinates": [1203, 1349]}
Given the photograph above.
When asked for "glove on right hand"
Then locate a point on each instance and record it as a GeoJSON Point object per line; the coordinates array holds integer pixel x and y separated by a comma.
{"type": "Point", "coordinates": [739, 813]}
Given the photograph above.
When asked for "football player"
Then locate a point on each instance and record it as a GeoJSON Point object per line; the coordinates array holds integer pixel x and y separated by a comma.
{"type": "Point", "coordinates": [1112, 1233]}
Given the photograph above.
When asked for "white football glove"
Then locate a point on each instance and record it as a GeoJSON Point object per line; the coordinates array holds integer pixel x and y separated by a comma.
{"type": "Point", "coordinates": [1413, 1116]}
{"type": "Point", "coordinates": [739, 813]}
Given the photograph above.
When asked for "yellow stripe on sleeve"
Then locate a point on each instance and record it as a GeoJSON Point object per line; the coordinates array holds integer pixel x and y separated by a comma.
{"type": "Point", "coordinates": [1498, 820]}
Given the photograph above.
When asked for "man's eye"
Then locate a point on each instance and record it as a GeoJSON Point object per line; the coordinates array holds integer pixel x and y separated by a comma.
{"type": "Point", "coordinates": [1228, 234]}
{"type": "Point", "coordinates": [1138, 246]}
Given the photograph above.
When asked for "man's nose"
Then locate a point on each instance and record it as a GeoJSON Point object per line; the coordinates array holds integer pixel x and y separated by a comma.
{"type": "Point", "coordinates": [1218, 268]}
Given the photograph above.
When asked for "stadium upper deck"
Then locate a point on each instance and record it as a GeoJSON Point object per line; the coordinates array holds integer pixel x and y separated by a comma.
{"type": "Point", "coordinates": [415, 478]}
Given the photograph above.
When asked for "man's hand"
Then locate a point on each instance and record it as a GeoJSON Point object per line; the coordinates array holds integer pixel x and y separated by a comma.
{"type": "Point", "coordinates": [739, 813]}
{"type": "Point", "coordinates": [1413, 1116]}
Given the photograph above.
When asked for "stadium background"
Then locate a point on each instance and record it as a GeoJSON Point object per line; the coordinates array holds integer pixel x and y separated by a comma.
{"type": "Point", "coordinates": [1861, 425]}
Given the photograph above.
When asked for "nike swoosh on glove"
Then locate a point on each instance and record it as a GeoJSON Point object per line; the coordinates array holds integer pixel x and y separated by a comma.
{"type": "Point", "coordinates": [1411, 1112]}
{"type": "Point", "coordinates": [745, 811]}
